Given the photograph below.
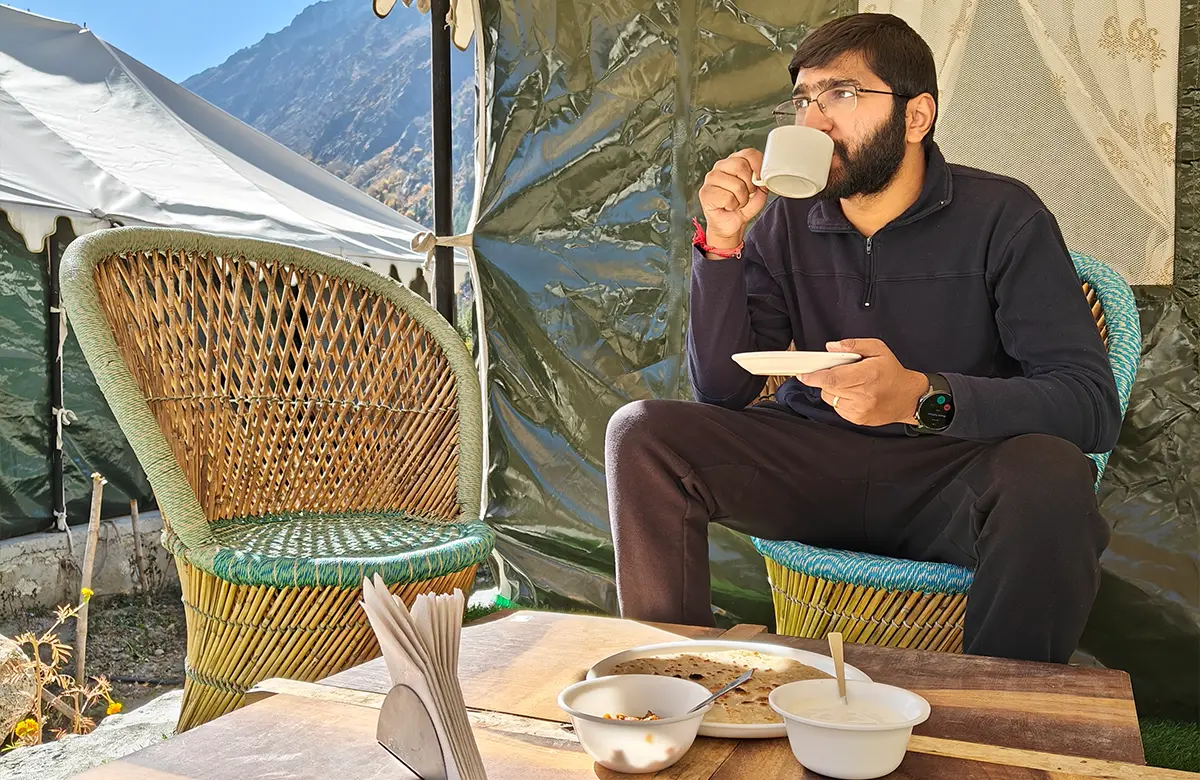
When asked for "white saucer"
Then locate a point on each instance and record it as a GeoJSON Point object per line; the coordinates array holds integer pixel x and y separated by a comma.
{"type": "Point", "coordinates": [788, 363]}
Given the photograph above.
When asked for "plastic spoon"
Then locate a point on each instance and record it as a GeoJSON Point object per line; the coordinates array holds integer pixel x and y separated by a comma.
{"type": "Point", "coordinates": [723, 691]}
{"type": "Point", "coordinates": [839, 663]}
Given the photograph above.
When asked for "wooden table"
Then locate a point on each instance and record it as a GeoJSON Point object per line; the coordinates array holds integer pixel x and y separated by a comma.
{"type": "Point", "coordinates": [513, 665]}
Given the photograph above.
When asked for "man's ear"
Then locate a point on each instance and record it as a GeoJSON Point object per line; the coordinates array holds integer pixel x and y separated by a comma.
{"type": "Point", "coordinates": [919, 117]}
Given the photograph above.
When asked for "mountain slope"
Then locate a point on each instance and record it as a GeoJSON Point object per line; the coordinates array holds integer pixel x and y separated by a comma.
{"type": "Point", "coordinates": [352, 93]}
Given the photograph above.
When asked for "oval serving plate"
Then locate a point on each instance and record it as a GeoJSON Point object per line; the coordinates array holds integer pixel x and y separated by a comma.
{"type": "Point", "coordinates": [727, 730]}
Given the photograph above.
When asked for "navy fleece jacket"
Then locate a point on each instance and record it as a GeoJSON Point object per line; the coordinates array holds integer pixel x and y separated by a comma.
{"type": "Point", "coordinates": [973, 281]}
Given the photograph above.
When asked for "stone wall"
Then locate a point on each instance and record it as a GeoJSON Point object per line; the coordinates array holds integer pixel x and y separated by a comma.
{"type": "Point", "coordinates": [37, 571]}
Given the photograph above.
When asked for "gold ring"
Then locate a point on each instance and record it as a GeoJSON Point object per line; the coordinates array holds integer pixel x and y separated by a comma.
{"type": "Point", "coordinates": [834, 402]}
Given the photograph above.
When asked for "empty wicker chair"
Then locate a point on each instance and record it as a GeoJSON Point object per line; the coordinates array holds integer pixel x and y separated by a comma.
{"type": "Point", "coordinates": [304, 423]}
{"type": "Point", "coordinates": [884, 601]}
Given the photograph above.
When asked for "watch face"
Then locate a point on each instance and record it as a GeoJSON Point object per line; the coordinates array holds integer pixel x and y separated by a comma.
{"type": "Point", "coordinates": [936, 412]}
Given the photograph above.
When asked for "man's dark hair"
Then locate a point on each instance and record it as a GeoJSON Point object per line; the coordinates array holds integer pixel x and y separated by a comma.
{"type": "Point", "coordinates": [891, 49]}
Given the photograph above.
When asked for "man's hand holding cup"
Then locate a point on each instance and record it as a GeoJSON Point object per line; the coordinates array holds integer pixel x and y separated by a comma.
{"type": "Point", "coordinates": [731, 199]}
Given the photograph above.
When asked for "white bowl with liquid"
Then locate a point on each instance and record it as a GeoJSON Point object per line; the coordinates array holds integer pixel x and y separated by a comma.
{"type": "Point", "coordinates": [861, 740]}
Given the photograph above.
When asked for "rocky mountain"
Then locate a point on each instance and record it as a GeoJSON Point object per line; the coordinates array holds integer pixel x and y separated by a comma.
{"type": "Point", "coordinates": [351, 92]}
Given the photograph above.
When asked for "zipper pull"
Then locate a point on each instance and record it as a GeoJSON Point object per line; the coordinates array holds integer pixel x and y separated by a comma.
{"type": "Point", "coordinates": [870, 276]}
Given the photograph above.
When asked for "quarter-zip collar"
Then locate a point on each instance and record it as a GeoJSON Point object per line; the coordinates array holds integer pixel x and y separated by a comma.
{"type": "Point", "coordinates": [826, 216]}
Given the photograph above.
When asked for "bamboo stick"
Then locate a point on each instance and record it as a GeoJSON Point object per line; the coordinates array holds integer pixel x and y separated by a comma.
{"type": "Point", "coordinates": [85, 585]}
{"type": "Point", "coordinates": [137, 546]}
{"type": "Point", "coordinates": [62, 709]}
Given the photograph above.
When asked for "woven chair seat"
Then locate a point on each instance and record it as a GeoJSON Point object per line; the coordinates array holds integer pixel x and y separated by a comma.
{"type": "Point", "coordinates": [339, 550]}
{"type": "Point", "coordinates": [866, 570]}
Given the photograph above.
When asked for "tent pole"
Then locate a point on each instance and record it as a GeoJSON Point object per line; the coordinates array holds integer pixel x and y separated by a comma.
{"type": "Point", "coordinates": [54, 246]}
{"type": "Point", "coordinates": [443, 162]}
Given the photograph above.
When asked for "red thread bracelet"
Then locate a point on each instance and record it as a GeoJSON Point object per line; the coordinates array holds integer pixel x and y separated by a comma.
{"type": "Point", "coordinates": [700, 240]}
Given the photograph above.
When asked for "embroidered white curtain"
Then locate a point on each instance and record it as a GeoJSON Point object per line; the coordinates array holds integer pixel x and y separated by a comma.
{"type": "Point", "coordinates": [944, 24]}
{"type": "Point", "coordinates": [1121, 88]}
{"type": "Point", "coordinates": [1077, 98]}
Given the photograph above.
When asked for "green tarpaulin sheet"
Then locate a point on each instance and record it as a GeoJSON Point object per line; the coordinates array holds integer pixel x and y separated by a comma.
{"type": "Point", "coordinates": [93, 442]}
{"type": "Point", "coordinates": [602, 119]}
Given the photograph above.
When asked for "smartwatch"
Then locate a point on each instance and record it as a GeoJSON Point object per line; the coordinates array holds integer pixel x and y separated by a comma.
{"type": "Point", "coordinates": [935, 410]}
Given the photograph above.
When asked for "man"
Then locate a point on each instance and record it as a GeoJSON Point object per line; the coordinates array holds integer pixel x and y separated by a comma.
{"type": "Point", "coordinates": [956, 287]}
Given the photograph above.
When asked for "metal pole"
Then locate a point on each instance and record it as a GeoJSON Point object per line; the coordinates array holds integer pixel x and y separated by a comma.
{"type": "Point", "coordinates": [54, 248]}
{"type": "Point", "coordinates": [443, 159]}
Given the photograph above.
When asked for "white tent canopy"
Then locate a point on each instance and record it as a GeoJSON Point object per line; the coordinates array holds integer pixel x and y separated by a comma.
{"type": "Point", "coordinates": [89, 133]}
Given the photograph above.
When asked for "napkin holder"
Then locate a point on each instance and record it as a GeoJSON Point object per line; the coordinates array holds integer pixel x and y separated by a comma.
{"type": "Point", "coordinates": [406, 730]}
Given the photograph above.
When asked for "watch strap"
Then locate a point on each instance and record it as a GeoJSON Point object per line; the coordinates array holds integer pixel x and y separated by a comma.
{"type": "Point", "coordinates": [938, 384]}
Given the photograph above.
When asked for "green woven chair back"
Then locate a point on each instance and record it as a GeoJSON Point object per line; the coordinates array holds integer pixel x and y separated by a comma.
{"type": "Point", "coordinates": [286, 381]}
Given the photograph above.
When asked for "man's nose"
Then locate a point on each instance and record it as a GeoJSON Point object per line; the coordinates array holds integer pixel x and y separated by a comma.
{"type": "Point", "coordinates": [815, 118]}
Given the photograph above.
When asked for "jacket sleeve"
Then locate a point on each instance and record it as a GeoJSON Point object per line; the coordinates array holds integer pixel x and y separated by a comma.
{"type": "Point", "coordinates": [1067, 388]}
{"type": "Point", "coordinates": [736, 306]}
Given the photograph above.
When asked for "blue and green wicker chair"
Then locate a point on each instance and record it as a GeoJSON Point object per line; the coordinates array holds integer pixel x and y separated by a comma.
{"type": "Point", "coordinates": [883, 601]}
{"type": "Point", "coordinates": [304, 423]}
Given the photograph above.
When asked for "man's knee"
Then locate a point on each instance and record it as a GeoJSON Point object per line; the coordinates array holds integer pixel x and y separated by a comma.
{"type": "Point", "coordinates": [642, 424]}
{"type": "Point", "coordinates": [1045, 465]}
{"type": "Point", "coordinates": [1048, 484]}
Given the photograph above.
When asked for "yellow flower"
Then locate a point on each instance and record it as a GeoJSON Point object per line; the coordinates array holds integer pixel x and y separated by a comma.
{"type": "Point", "coordinates": [26, 727]}
{"type": "Point", "coordinates": [113, 708]}
{"type": "Point", "coordinates": [87, 593]}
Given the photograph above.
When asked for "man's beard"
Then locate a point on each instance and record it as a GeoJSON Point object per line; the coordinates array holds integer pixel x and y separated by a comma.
{"type": "Point", "coordinates": [873, 166]}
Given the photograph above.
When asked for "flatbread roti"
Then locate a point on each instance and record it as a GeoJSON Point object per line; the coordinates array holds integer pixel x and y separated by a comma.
{"type": "Point", "coordinates": [745, 704]}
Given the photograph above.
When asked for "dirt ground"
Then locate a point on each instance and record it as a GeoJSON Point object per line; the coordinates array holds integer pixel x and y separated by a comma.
{"type": "Point", "coordinates": [138, 642]}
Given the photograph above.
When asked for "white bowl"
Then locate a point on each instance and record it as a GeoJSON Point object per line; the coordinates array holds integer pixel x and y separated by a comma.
{"type": "Point", "coordinates": [635, 746]}
{"type": "Point", "coordinates": [824, 742]}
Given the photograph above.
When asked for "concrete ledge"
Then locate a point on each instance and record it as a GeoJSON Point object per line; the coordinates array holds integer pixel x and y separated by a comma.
{"type": "Point", "coordinates": [116, 736]}
{"type": "Point", "coordinates": [38, 570]}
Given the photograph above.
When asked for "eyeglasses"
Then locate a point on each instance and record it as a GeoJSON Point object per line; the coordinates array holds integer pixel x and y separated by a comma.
{"type": "Point", "coordinates": [833, 102]}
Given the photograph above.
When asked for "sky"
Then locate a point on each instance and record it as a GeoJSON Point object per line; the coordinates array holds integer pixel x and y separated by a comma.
{"type": "Point", "coordinates": [177, 39]}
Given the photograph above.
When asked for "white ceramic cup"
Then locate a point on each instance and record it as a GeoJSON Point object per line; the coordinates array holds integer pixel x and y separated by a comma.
{"type": "Point", "coordinates": [796, 161]}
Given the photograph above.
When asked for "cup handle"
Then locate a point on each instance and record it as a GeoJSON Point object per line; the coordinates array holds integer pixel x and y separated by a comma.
{"type": "Point", "coordinates": [757, 182]}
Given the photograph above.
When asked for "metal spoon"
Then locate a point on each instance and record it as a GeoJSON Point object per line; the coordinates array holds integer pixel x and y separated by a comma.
{"type": "Point", "coordinates": [723, 691]}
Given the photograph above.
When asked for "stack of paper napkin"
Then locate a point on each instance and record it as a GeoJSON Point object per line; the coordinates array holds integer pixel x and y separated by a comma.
{"type": "Point", "coordinates": [420, 649]}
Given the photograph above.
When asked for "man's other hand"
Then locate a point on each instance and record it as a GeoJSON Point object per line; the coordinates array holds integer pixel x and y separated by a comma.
{"type": "Point", "coordinates": [875, 391]}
